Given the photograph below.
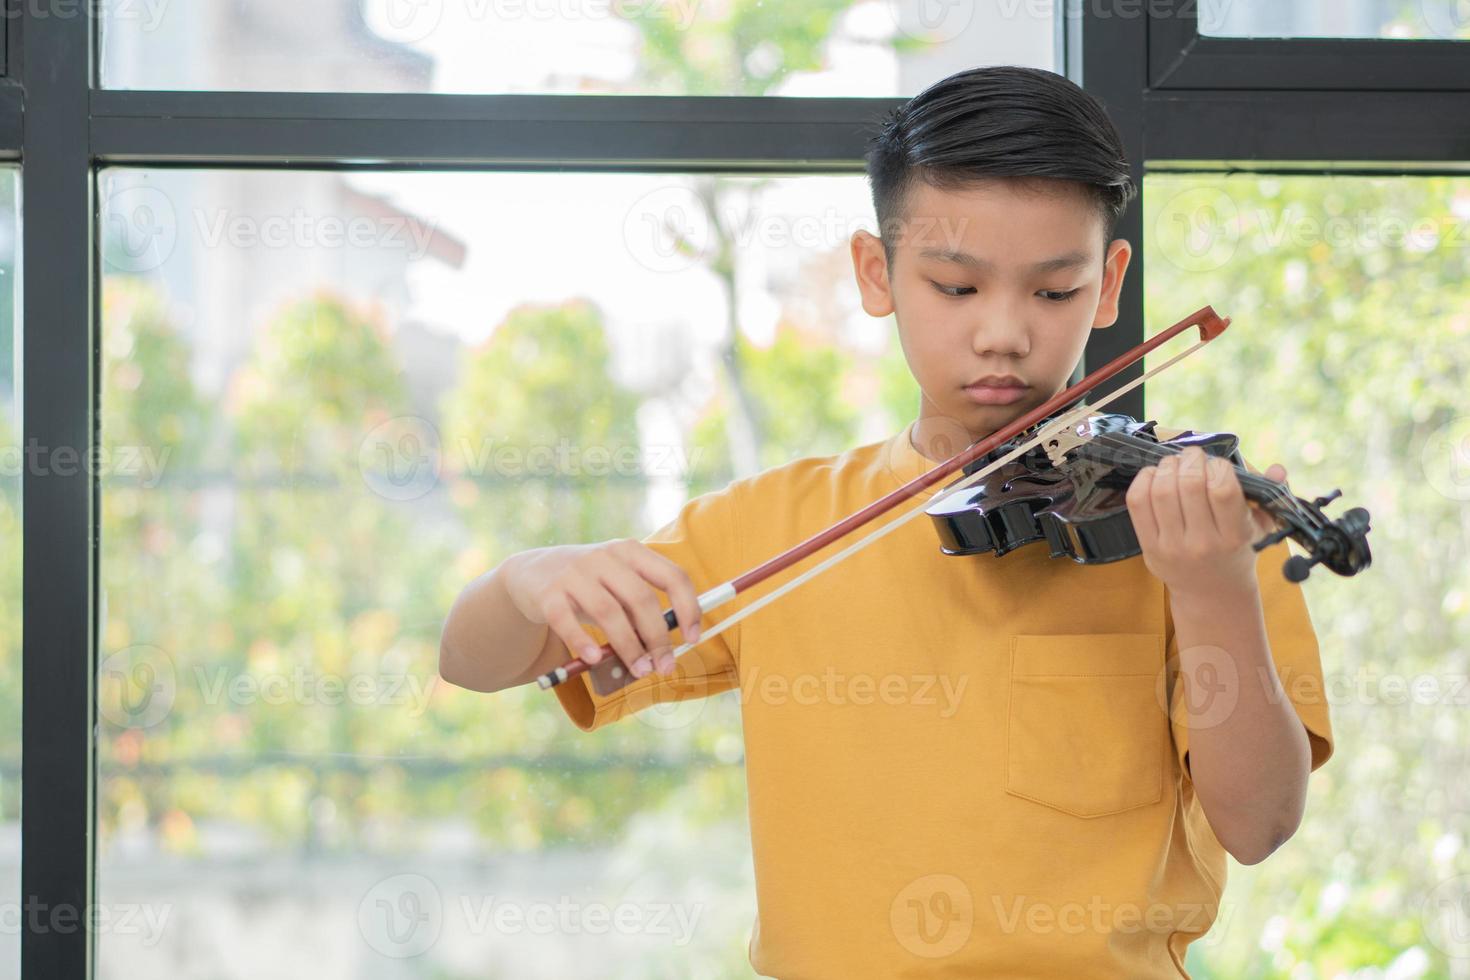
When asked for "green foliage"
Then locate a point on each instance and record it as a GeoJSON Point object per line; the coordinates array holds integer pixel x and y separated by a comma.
{"type": "Point", "coordinates": [1346, 362]}
{"type": "Point", "coordinates": [542, 445]}
{"type": "Point", "coordinates": [795, 386]}
{"type": "Point", "coordinates": [749, 50]}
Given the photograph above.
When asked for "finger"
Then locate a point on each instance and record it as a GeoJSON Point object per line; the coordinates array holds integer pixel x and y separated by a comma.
{"type": "Point", "coordinates": [1141, 508]}
{"type": "Point", "coordinates": [641, 603]}
{"type": "Point", "coordinates": [665, 574]}
{"type": "Point", "coordinates": [1164, 494]}
{"type": "Point", "coordinates": [563, 622]}
{"type": "Point", "coordinates": [1227, 502]}
{"type": "Point", "coordinates": [1262, 520]}
{"type": "Point", "coordinates": [604, 609]}
{"type": "Point", "coordinates": [1194, 495]}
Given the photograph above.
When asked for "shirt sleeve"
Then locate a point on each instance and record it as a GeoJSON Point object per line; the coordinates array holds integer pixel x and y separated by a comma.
{"type": "Point", "coordinates": [702, 539]}
{"type": "Point", "coordinates": [1294, 652]}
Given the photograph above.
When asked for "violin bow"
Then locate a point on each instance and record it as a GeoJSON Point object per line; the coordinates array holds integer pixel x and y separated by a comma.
{"type": "Point", "coordinates": [1210, 325]}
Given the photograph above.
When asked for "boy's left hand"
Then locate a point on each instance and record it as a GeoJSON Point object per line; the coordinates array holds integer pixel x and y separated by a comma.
{"type": "Point", "coordinates": [1194, 524]}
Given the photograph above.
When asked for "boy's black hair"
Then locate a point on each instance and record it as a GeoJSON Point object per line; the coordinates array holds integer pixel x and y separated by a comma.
{"type": "Point", "coordinates": [994, 122]}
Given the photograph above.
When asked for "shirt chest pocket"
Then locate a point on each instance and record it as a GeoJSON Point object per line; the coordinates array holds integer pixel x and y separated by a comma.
{"type": "Point", "coordinates": [1086, 730]}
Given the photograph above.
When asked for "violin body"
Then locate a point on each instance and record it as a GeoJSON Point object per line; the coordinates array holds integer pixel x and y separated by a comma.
{"type": "Point", "coordinates": [1029, 500]}
{"type": "Point", "coordinates": [1079, 507]}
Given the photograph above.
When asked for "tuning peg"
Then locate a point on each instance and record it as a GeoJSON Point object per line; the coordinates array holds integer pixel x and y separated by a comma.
{"type": "Point", "coordinates": [1321, 502]}
{"type": "Point", "coordinates": [1296, 568]}
{"type": "Point", "coordinates": [1271, 539]}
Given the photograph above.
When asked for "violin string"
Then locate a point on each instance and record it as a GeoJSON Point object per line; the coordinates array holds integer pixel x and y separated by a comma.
{"type": "Point", "coordinates": [1269, 487]}
{"type": "Point", "coordinates": [1042, 431]}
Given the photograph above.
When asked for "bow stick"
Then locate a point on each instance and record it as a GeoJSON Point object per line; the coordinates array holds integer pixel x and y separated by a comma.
{"type": "Point", "coordinates": [1210, 324]}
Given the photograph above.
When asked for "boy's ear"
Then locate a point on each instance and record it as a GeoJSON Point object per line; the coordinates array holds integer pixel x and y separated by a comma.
{"type": "Point", "coordinates": [870, 266]}
{"type": "Point", "coordinates": [1115, 266]}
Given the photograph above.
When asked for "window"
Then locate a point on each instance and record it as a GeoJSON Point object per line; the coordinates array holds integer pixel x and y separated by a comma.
{"type": "Point", "coordinates": [583, 47]}
{"type": "Point", "coordinates": [1421, 20]}
{"type": "Point", "coordinates": [1345, 362]}
{"type": "Point", "coordinates": [12, 464]}
{"type": "Point", "coordinates": [348, 394]}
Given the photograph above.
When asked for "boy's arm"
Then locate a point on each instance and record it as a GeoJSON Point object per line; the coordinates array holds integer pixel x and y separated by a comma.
{"type": "Point", "coordinates": [1249, 753]}
{"type": "Point", "coordinates": [521, 650]}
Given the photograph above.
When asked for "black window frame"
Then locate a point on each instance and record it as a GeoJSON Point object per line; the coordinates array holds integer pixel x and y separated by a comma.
{"type": "Point", "coordinates": [1181, 102]}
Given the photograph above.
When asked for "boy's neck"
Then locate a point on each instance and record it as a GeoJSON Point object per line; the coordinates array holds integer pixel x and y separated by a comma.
{"type": "Point", "coordinates": [937, 438]}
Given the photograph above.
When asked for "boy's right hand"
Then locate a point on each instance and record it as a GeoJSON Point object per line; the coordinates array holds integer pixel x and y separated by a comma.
{"type": "Point", "coordinates": [610, 584]}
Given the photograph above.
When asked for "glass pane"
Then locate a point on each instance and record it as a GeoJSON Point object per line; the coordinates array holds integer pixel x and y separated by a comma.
{"type": "Point", "coordinates": [1346, 362]}
{"type": "Point", "coordinates": [645, 47]}
{"type": "Point", "coordinates": [1415, 20]}
{"type": "Point", "coordinates": [332, 388]}
{"type": "Point", "coordinates": [10, 570]}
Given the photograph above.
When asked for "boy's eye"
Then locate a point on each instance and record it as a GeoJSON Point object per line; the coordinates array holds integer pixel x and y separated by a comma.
{"type": "Point", "coordinates": [1060, 295]}
{"type": "Point", "coordinates": [952, 290]}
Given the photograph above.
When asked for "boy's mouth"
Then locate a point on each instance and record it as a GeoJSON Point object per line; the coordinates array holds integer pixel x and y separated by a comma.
{"type": "Point", "coordinates": [996, 389]}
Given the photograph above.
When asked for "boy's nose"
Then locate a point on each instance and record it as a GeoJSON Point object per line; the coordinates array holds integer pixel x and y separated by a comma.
{"type": "Point", "coordinates": [1002, 335]}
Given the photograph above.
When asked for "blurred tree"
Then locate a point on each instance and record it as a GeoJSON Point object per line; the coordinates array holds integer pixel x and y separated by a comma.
{"type": "Point", "coordinates": [1345, 361]}
{"type": "Point", "coordinates": [746, 47]}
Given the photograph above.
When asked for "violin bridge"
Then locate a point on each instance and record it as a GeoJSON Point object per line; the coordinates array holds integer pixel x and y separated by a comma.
{"type": "Point", "coordinates": [1063, 439]}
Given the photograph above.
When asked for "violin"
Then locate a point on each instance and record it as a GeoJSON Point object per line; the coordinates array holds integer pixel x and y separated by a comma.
{"type": "Point", "coordinates": [1091, 456]}
{"type": "Point", "coordinates": [1077, 503]}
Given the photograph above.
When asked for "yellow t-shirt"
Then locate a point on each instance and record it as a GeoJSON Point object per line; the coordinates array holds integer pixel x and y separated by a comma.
{"type": "Point", "coordinates": [956, 765]}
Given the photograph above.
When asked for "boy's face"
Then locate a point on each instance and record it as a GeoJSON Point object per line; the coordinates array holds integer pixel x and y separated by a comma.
{"type": "Point", "coordinates": [989, 282]}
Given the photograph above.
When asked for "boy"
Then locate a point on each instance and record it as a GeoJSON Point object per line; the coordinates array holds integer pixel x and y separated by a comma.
{"type": "Point", "coordinates": [1000, 767]}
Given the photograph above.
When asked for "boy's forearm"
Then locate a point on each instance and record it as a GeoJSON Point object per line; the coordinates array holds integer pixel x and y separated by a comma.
{"type": "Point", "coordinates": [486, 644]}
{"type": "Point", "coordinates": [1249, 756]}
